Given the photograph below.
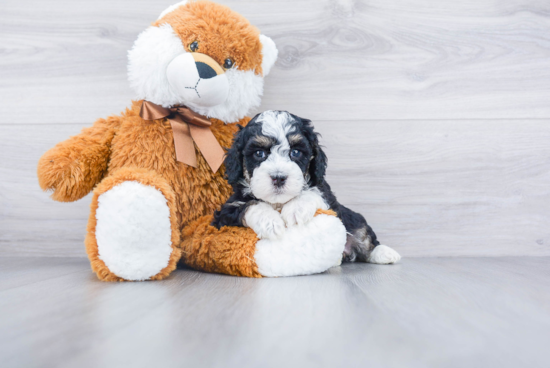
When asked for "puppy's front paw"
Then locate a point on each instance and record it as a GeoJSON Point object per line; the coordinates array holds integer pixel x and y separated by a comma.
{"type": "Point", "coordinates": [271, 226]}
{"type": "Point", "coordinates": [265, 221]}
{"type": "Point", "coordinates": [297, 212]}
{"type": "Point", "coordinates": [301, 209]}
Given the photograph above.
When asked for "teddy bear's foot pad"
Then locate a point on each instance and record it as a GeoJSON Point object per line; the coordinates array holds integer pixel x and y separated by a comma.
{"type": "Point", "coordinates": [133, 230]}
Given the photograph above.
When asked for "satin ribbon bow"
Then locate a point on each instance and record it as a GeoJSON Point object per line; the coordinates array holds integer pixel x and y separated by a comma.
{"type": "Point", "coordinates": [188, 127]}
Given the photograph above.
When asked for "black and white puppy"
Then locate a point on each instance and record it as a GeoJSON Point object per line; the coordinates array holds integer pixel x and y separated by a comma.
{"type": "Point", "coordinates": [277, 170]}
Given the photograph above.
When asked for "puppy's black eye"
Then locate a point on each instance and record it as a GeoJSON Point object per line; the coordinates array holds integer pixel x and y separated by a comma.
{"type": "Point", "coordinates": [228, 63]}
{"type": "Point", "coordinates": [295, 153]}
{"type": "Point", "coordinates": [260, 154]}
{"type": "Point", "coordinates": [194, 46]}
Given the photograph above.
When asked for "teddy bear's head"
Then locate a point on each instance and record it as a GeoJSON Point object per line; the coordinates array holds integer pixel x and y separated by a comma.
{"type": "Point", "coordinates": [202, 55]}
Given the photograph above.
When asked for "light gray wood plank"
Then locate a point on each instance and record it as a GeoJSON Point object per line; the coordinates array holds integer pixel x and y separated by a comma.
{"type": "Point", "coordinates": [436, 312]}
{"type": "Point", "coordinates": [65, 61]}
{"type": "Point", "coordinates": [30, 222]}
{"type": "Point", "coordinates": [471, 188]}
{"type": "Point", "coordinates": [20, 272]}
{"type": "Point", "coordinates": [433, 188]}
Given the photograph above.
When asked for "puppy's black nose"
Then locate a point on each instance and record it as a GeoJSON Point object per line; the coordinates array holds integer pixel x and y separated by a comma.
{"type": "Point", "coordinates": [205, 70]}
{"type": "Point", "coordinates": [279, 180]}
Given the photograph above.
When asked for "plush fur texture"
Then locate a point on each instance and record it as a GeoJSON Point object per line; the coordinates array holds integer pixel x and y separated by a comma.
{"type": "Point", "coordinates": [269, 54]}
{"type": "Point", "coordinates": [245, 92]}
{"type": "Point", "coordinates": [302, 250]}
{"type": "Point", "coordinates": [158, 73]}
{"type": "Point", "coordinates": [276, 167]}
{"type": "Point", "coordinates": [130, 163]}
{"type": "Point", "coordinates": [148, 60]}
{"type": "Point", "coordinates": [135, 145]}
{"type": "Point", "coordinates": [147, 178]}
{"type": "Point", "coordinates": [200, 87]}
{"type": "Point", "coordinates": [72, 168]}
{"type": "Point", "coordinates": [131, 142]}
{"type": "Point", "coordinates": [236, 250]}
{"type": "Point", "coordinates": [220, 32]}
{"type": "Point", "coordinates": [229, 250]}
{"type": "Point", "coordinates": [133, 230]}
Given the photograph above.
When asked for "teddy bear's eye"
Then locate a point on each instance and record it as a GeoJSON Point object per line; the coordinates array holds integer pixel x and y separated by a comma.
{"type": "Point", "coordinates": [228, 63]}
{"type": "Point", "coordinates": [194, 46]}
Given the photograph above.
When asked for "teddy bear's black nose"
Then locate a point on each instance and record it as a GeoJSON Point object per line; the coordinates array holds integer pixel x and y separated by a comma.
{"type": "Point", "coordinates": [205, 70]}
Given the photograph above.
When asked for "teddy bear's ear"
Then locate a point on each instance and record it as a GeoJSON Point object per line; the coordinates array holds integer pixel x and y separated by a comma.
{"type": "Point", "coordinates": [269, 53]}
{"type": "Point", "coordinates": [171, 8]}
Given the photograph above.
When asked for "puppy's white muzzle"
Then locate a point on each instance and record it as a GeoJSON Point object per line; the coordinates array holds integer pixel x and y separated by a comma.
{"type": "Point", "coordinates": [198, 79]}
{"type": "Point", "coordinates": [277, 165]}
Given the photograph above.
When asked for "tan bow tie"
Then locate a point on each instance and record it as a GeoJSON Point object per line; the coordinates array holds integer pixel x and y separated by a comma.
{"type": "Point", "coordinates": [187, 127]}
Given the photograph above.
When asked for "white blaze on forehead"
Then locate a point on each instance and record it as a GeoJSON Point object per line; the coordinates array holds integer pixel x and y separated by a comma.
{"type": "Point", "coordinates": [277, 124]}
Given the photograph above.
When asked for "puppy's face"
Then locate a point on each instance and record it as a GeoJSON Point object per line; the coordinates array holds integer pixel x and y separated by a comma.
{"type": "Point", "coordinates": [275, 157]}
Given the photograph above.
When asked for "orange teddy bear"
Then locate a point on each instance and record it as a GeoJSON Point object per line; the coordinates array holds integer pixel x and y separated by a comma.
{"type": "Point", "coordinates": [156, 170]}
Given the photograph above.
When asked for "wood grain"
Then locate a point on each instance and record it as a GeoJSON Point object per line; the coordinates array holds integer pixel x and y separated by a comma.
{"type": "Point", "coordinates": [436, 188]}
{"type": "Point", "coordinates": [435, 114]}
{"type": "Point", "coordinates": [30, 222]}
{"type": "Point", "coordinates": [65, 61]}
{"type": "Point", "coordinates": [431, 188]}
{"type": "Point", "coordinates": [434, 312]}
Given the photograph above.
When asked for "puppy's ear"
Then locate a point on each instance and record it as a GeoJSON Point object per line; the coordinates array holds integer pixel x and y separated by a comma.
{"type": "Point", "coordinates": [234, 156]}
{"type": "Point", "coordinates": [234, 160]}
{"type": "Point", "coordinates": [317, 166]}
{"type": "Point", "coordinates": [318, 163]}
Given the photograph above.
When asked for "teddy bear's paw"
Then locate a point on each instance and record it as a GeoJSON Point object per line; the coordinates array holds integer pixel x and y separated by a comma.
{"type": "Point", "coordinates": [265, 221]}
{"type": "Point", "coordinates": [303, 250]}
{"type": "Point", "coordinates": [133, 230]}
{"type": "Point", "coordinates": [382, 254]}
{"type": "Point", "coordinates": [301, 210]}
{"type": "Point", "coordinates": [68, 178]}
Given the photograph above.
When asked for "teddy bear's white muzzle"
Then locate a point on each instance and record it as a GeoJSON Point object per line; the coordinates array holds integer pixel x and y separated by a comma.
{"type": "Point", "coordinates": [198, 79]}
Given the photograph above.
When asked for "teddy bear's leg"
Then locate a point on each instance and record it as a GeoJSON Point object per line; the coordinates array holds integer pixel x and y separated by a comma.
{"type": "Point", "coordinates": [300, 250]}
{"type": "Point", "coordinates": [132, 231]}
{"type": "Point", "coordinates": [303, 249]}
{"type": "Point", "coordinates": [228, 250]}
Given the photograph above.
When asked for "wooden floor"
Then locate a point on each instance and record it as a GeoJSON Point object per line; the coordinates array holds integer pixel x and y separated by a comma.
{"type": "Point", "coordinates": [424, 312]}
{"type": "Point", "coordinates": [435, 116]}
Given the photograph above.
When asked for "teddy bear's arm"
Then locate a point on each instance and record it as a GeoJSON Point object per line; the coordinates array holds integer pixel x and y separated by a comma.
{"type": "Point", "coordinates": [72, 168]}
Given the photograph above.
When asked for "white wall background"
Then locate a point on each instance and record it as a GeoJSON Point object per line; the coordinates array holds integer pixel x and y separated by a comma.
{"type": "Point", "coordinates": [435, 113]}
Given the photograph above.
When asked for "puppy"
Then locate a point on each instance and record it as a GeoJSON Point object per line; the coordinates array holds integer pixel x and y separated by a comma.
{"type": "Point", "coordinates": [277, 170]}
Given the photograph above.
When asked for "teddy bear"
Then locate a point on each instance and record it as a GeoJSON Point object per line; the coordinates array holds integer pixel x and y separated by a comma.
{"type": "Point", "coordinates": [156, 169]}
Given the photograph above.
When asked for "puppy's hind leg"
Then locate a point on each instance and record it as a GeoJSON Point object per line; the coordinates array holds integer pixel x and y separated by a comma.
{"type": "Point", "coordinates": [362, 246]}
{"type": "Point", "coordinates": [382, 254]}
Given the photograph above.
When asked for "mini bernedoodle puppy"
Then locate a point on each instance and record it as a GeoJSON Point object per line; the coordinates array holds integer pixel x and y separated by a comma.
{"type": "Point", "coordinates": [277, 170]}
